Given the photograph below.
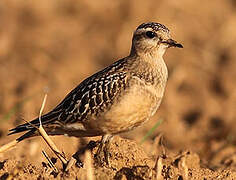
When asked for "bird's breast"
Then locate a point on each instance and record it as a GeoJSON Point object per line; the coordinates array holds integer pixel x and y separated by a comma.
{"type": "Point", "coordinates": [132, 108]}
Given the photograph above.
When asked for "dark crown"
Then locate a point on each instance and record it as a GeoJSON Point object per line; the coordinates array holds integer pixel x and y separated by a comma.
{"type": "Point", "coordinates": [154, 26]}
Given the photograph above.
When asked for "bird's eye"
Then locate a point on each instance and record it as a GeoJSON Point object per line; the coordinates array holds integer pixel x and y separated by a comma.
{"type": "Point", "coordinates": [151, 34]}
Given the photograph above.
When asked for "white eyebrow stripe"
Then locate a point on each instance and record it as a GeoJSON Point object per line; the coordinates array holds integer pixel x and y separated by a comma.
{"type": "Point", "coordinates": [139, 31]}
{"type": "Point", "coordinates": [148, 29]}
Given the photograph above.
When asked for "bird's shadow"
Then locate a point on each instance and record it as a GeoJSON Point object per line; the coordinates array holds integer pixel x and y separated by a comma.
{"type": "Point", "coordinates": [81, 150]}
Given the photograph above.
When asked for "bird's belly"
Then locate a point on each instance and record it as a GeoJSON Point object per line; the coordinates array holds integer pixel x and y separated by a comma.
{"type": "Point", "coordinates": [132, 110]}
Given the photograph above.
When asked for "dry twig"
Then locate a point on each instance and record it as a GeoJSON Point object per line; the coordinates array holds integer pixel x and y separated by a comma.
{"type": "Point", "coordinates": [158, 167]}
{"type": "Point", "coordinates": [89, 165]}
{"type": "Point", "coordinates": [8, 146]}
{"type": "Point", "coordinates": [51, 165]}
{"type": "Point", "coordinates": [47, 138]}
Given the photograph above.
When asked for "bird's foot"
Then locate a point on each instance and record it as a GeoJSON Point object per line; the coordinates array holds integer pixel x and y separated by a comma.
{"type": "Point", "coordinates": [102, 155]}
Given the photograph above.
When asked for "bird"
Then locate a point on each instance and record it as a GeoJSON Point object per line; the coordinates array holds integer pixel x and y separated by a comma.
{"type": "Point", "coordinates": [116, 99]}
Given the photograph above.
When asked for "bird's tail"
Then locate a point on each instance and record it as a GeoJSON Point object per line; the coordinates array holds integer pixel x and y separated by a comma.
{"type": "Point", "coordinates": [31, 126]}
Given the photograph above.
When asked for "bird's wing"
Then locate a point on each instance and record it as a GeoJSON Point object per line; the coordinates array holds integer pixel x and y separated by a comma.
{"type": "Point", "coordinates": [91, 97]}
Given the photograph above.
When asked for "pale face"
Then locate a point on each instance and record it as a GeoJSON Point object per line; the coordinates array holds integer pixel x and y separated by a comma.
{"type": "Point", "coordinates": [152, 37]}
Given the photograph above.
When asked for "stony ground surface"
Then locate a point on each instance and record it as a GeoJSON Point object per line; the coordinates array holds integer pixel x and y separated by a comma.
{"type": "Point", "coordinates": [54, 45]}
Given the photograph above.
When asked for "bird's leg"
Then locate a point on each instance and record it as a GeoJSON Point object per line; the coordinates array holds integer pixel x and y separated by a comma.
{"type": "Point", "coordinates": [103, 149]}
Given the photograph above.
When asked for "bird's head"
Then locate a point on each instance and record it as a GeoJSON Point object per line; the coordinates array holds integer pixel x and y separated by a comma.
{"type": "Point", "coordinates": [153, 38]}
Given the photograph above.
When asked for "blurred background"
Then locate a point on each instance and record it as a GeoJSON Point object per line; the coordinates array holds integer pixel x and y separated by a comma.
{"type": "Point", "coordinates": [54, 45]}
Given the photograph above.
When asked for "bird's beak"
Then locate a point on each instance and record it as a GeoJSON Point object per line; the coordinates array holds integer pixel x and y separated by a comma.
{"type": "Point", "coordinates": [172, 43]}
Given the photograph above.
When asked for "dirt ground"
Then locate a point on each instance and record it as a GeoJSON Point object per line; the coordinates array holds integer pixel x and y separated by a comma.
{"type": "Point", "coordinates": [51, 46]}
